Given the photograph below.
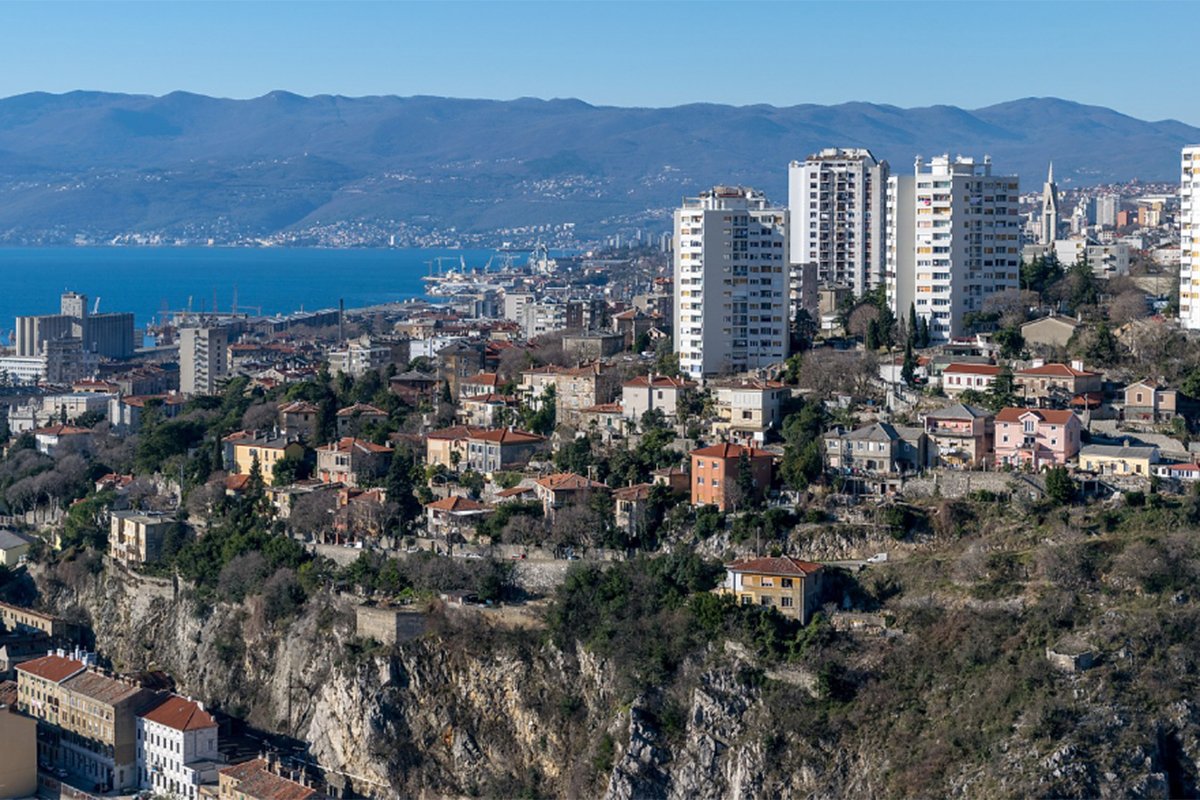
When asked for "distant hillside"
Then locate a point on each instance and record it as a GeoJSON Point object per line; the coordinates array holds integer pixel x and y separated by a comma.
{"type": "Point", "coordinates": [186, 164]}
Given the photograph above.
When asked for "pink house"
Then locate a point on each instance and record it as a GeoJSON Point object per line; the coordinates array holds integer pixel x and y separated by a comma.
{"type": "Point", "coordinates": [1036, 437]}
{"type": "Point", "coordinates": [961, 435]}
{"type": "Point", "coordinates": [958, 378]}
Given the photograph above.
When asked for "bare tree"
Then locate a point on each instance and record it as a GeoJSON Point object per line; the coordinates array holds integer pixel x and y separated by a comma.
{"type": "Point", "coordinates": [861, 319]}
{"type": "Point", "coordinates": [1128, 306]}
{"type": "Point", "coordinates": [312, 515]}
{"type": "Point", "coordinates": [1012, 305]}
{"type": "Point", "coordinates": [261, 416]}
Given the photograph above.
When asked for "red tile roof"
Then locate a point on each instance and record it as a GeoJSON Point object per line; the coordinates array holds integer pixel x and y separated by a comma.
{"type": "Point", "coordinates": [456, 503]}
{"type": "Point", "coordinates": [256, 780]}
{"type": "Point", "coordinates": [181, 714]}
{"type": "Point", "coordinates": [604, 408]}
{"type": "Point", "coordinates": [348, 443]}
{"type": "Point", "coordinates": [1054, 417]}
{"type": "Point", "coordinates": [361, 408]}
{"type": "Point", "coordinates": [235, 483]}
{"type": "Point", "coordinates": [61, 430]}
{"type": "Point", "coordinates": [973, 369]}
{"type": "Point", "coordinates": [639, 491]}
{"type": "Point", "coordinates": [483, 379]}
{"type": "Point", "coordinates": [660, 382]}
{"type": "Point", "coordinates": [1057, 371]}
{"type": "Point", "coordinates": [728, 450]}
{"type": "Point", "coordinates": [515, 491]}
{"type": "Point", "coordinates": [568, 481]}
{"type": "Point", "coordinates": [505, 436]}
{"type": "Point", "coordinates": [784, 565]}
{"type": "Point", "coordinates": [52, 668]}
{"type": "Point", "coordinates": [300, 407]}
{"type": "Point", "coordinates": [455, 432]}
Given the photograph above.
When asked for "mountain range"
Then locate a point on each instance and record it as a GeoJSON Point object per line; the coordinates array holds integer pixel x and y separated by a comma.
{"type": "Point", "coordinates": [187, 165]}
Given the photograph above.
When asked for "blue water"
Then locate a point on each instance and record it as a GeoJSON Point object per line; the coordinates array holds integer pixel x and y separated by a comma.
{"type": "Point", "coordinates": [145, 280]}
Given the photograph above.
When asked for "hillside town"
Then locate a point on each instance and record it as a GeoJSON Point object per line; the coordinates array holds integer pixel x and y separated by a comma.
{"type": "Point", "coordinates": [886, 345]}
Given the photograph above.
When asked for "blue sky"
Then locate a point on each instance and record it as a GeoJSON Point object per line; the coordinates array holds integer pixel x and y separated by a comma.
{"type": "Point", "coordinates": [1130, 56]}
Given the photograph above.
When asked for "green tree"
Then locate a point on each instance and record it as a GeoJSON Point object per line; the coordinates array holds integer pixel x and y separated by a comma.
{"type": "Point", "coordinates": [914, 329]}
{"type": "Point", "coordinates": [1060, 487]}
{"type": "Point", "coordinates": [802, 458]}
{"type": "Point", "coordinates": [1103, 349]}
{"type": "Point", "coordinates": [746, 485]}
{"type": "Point", "coordinates": [909, 370]}
{"type": "Point", "coordinates": [1010, 340]}
{"type": "Point", "coordinates": [923, 336]}
{"type": "Point", "coordinates": [804, 331]}
{"type": "Point", "coordinates": [399, 486]}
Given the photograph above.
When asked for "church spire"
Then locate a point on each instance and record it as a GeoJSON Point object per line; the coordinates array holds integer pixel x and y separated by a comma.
{"type": "Point", "coordinates": [1050, 177]}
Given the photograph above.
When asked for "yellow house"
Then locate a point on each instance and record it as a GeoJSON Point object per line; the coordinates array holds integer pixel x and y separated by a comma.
{"type": "Point", "coordinates": [1118, 460]}
{"type": "Point", "coordinates": [268, 451]}
{"type": "Point", "coordinates": [18, 757]}
{"type": "Point", "coordinates": [789, 585]}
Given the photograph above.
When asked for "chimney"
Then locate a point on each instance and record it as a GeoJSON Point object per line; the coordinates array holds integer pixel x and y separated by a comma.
{"type": "Point", "coordinates": [1038, 362]}
{"type": "Point", "coordinates": [1077, 364]}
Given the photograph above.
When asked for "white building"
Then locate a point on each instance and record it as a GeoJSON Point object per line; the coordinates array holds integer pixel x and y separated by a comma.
{"type": "Point", "coordinates": [646, 392]}
{"type": "Point", "coordinates": [836, 200]}
{"type": "Point", "coordinates": [1189, 239]}
{"type": "Point", "coordinates": [203, 360]}
{"type": "Point", "coordinates": [1107, 206]}
{"type": "Point", "coordinates": [731, 282]}
{"type": "Point", "coordinates": [953, 241]}
{"type": "Point", "coordinates": [1106, 260]}
{"type": "Point", "coordinates": [358, 357]}
{"type": "Point", "coordinates": [1050, 212]}
{"type": "Point", "coordinates": [177, 748]}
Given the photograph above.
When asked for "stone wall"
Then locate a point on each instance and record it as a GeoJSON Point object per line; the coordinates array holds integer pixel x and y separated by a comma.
{"type": "Point", "coordinates": [952, 483]}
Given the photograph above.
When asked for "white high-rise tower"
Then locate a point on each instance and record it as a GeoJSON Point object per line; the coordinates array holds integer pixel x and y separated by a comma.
{"type": "Point", "coordinates": [1050, 213]}
{"type": "Point", "coordinates": [836, 205]}
{"type": "Point", "coordinates": [953, 240]}
{"type": "Point", "coordinates": [1189, 238]}
{"type": "Point", "coordinates": [731, 282]}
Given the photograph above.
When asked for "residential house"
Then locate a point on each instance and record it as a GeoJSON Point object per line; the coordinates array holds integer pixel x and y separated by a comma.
{"type": "Point", "coordinates": [355, 419]}
{"type": "Point", "coordinates": [481, 383]}
{"type": "Point", "coordinates": [584, 387]}
{"type": "Point", "coordinates": [535, 382]}
{"type": "Point", "coordinates": [879, 449]}
{"type": "Point", "coordinates": [674, 478]}
{"type": "Point", "coordinates": [267, 451]}
{"type": "Point", "coordinates": [488, 410]}
{"type": "Point", "coordinates": [126, 413]}
{"type": "Point", "coordinates": [1147, 401]}
{"type": "Point", "coordinates": [358, 357]}
{"type": "Point", "coordinates": [1051, 331]}
{"type": "Point", "coordinates": [1179, 472]}
{"type": "Point", "coordinates": [481, 449]}
{"type": "Point", "coordinates": [1119, 460]}
{"type": "Point", "coordinates": [19, 618]}
{"type": "Point", "coordinates": [1058, 384]}
{"type": "Point", "coordinates": [300, 419]}
{"type": "Point", "coordinates": [136, 537]}
{"type": "Point", "coordinates": [458, 362]}
{"type": "Point", "coordinates": [1036, 437]}
{"type": "Point", "coordinates": [50, 439]}
{"type": "Point", "coordinates": [592, 346]}
{"type": "Point", "coordinates": [631, 509]}
{"type": "Point", "coordinates": [608, 419]}
{"type": "Point", "coordinates": [790, 586]}
{"type": "Point", "coordinates": [14, 547]}
{"type": "Point", "coordinates": [958, 378]}
{"type": "Point", "coordinates": [563, 489]}
{"type": "Point", "coordinates": [352, 461]}
{"type": "Point", "coordinates": [715, 473]}
{"type": "Point", "coordinates": [660, 392]}
{"type": "Point", "coordinates": [631, 324]}
{"type": "Point", "coordinates": [747, 410]}
{"type": "Point", "coordinates": [87, 720]}
{"type": "Point", "coordinates": [177, 748]}
{"type": "Point", "coordinates": [454, 517]}
{"type": "Point", "coordinates": [961, 435]}
{"type": "Point", "coordinates": [260, 779]}
{"type": "Point", "coordinates": [413, 387]}
{"type": "Point", "coordinates": [18, 756]}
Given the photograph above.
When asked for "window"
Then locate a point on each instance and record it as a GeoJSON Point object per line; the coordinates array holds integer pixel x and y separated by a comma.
{"type": "Point", "coordinates": [786, 583]}
{"type": "Point", "coordinates": [765, 581]}
{"type": "Point", "coordinates": [765, 601]}
{"type": "Point", "coordinates": [786, 602]}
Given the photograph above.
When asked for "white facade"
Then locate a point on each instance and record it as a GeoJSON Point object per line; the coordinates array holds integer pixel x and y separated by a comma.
{"type": "Point", "coordinates": [1107, 206]}
{"type": "Point", "coordinates": [1050, 212]}
{"type": "Point", "coordinates": [1189, 239]}
{"type": "Point", "coordinates": [731, 282]}
{"type": "Point", "coordinates": [22, 369]}
{"type": "Point", "coordinates": [203, 360]}
{"type": "Point", "coordinates": [953, 241]}
{"type": "Point", "coordinates": [359, 357]}
{"type": "Point", "coordinates": [1106, 260]}
{"type": "Point", "coordinates": [174, 762]}
{"type": "Point", "coordinates": [836, 200]}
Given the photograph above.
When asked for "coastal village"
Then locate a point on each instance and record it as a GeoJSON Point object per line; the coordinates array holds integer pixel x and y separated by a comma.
{"type": "Point", "coordinates": [735, 394]}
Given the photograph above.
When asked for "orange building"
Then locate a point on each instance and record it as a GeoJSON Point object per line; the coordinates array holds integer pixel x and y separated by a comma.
{"type": "Point", "coordinates": [715, 473]}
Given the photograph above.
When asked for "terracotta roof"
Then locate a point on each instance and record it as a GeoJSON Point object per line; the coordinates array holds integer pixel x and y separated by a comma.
{"type": "Point", "coordinates": [972, 369]}
{"type": "Point", "coordinates": [8, 693]}
{"type": "Point", "coordinates": [300, 407]}
{"type": "Point", "coordinates": [238, 435]}
{"type": "Point", "coordinates": [348, 443]}
{"type": "Point", "coordinates": [455, 432]}
{"type": "Point", "coordinates": [568, 481]}
{"type": "Point", "coordinates": [1057, 371]}
{"type": "Point", "coordinates": [639, 491]}
{"type": "Point", "coordinates": [751, 384]}
{"type": "Point", "coordinates": [505, 436]}
{"type": "Point", "coordinates": [784, 565]}
{"type": "Point", "coordinates": [660, 382]}
{"type": "Point", "coordinates": [515, 491]}
{"type": "Point", "coordinates": [1054, 417]}
{"type": "Point", "coordinates": [235, 483]}
{"type": "Point", "coordinates": [728, 450]}
{"type": "Point", "coordinates": [490, 397]}
{"type": "Point", "coordinates": [456, 503]}
{"type": "Point", "coordinates": [483, 379]}
{"type": "Point", "coordinates": [361, 408]}
{"type": "Point", "coordinates": [256, 780]}
{"type": "Point", "coordinates": [52, 668]}
{"type": "Point", "coordinates": [61, 430]}
{"type": "Point", "coordinates": [101, 688]}
{"type": "Point", "coordinates": [604, 408]}
{"type": "Point", "coordinates": [181, 714]}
